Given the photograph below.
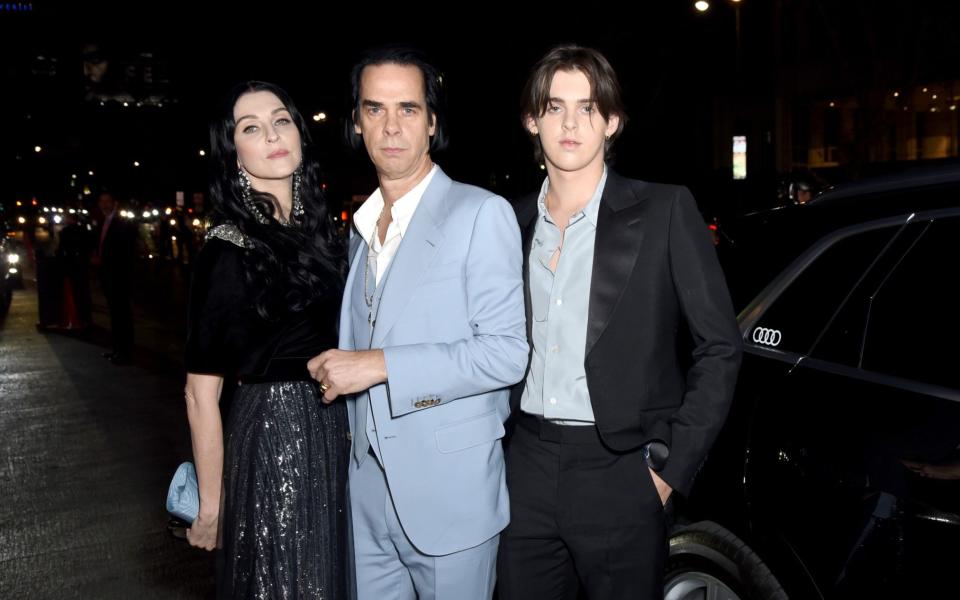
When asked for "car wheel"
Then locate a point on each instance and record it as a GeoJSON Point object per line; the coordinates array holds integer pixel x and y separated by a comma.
{"type": "Point", "coordinates": [707, 562]}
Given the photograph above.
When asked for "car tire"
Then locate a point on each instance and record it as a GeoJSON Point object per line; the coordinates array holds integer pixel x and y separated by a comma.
{"type": "Point", "coordinates": [707, 561]}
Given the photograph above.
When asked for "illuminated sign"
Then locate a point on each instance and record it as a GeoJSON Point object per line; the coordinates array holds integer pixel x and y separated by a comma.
{"type": "Point", "coordinates": [739, 157]}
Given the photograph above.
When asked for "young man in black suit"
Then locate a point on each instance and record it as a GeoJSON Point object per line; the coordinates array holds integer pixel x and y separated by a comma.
{"type": "Point", "coordinates": [612, 418]}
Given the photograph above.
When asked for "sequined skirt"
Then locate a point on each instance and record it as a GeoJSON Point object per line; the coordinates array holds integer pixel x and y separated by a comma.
{"type": "Point", "coordinates": [284, 519]}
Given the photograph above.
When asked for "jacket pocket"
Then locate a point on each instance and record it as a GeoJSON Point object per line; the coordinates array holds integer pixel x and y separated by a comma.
{"type": "Point", "coordinates": [467, 434]}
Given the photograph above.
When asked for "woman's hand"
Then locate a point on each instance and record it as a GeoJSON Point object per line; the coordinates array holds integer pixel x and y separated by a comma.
{"type": "Point", "coordinates": [206, 431]}
{"type": "Point", "coordinates": [203, 532]}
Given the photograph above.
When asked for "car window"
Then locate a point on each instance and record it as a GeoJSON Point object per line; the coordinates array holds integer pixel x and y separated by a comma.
{"type": "Point", "coordinates": [914, 321]}
{"type": "Point", "coordinates": [797, 317]}
{"type": "Point", "coordinates": [841, 339]}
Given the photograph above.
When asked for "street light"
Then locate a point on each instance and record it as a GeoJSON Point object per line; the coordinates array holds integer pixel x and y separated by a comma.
{"type": "Point", "coordinates": [703, 6]}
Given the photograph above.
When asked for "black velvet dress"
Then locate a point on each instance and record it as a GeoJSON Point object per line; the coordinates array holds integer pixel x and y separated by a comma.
{"type": "Point", "coordinates": [283, 521]}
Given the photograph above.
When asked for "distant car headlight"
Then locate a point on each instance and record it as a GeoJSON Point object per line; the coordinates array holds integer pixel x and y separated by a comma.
{"type": "Point", "coordinates": [13, 259]}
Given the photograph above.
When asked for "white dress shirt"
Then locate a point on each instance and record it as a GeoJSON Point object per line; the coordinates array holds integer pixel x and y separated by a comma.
{"type": "Point", "coordinates": [366, 217]}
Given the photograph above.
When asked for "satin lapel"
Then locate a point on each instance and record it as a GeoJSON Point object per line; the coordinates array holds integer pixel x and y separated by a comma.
{"type": "Point", "coordinates": [617, 246]}
{"type": "Point", "coordinates": [528, 232]}
{"type": "Point", "coordinates": [417, 251]}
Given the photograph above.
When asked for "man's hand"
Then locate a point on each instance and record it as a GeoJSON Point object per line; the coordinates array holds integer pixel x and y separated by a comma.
{"type": "Point", "coordinates": [342, 372]}
{"type": "Point", "coordinates": [663, 488]}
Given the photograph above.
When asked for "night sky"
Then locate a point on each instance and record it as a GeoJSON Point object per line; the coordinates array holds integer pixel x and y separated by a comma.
{"type": "Point", "coordinates": [673, 64]}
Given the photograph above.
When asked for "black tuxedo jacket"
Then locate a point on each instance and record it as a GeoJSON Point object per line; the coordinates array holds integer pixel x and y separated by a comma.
{"type": "Point", "coordinates": [663, 346]}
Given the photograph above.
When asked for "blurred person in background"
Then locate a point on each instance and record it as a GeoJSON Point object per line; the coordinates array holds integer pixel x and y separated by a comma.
{"type": "Point", "coordinates": [116, 257]}
{"type": "Point", "coordinates": [73, 251]}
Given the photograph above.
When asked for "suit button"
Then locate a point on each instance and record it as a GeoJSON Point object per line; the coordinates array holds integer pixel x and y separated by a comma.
{"type": "Point", "coordinates": [418, 404]}
{"type": "Point", "coordinates": [349, 436]}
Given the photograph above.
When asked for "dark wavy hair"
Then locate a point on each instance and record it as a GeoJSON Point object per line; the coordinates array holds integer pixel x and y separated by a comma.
{"type": "Point", "coordinates": [287, 266]}
{"type": "Point", "coordinates": [433, 90]}
{"type": "Point", "coordinates": [604, 87]}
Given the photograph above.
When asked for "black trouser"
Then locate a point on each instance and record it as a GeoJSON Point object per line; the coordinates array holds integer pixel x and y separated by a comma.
{"type": "Point", "coordinates": [117, 292]}
{"type": "Point", "coordinates": [580, 514]}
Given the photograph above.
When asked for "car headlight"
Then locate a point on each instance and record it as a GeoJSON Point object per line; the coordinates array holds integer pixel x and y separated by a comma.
{"type": "Point", "coordinates": [13, 259]}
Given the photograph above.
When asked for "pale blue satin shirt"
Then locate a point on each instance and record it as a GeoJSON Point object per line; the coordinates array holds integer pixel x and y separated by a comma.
{"type": "Point", "coordinates": [556, 386]}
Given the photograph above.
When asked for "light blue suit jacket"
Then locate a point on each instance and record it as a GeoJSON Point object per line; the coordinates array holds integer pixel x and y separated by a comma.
{"type": "Point", "coordinates": [452, 328]}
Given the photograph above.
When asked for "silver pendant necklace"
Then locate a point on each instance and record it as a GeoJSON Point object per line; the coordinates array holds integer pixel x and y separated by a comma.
{"type": "Point", "coordinates": [369, 295]}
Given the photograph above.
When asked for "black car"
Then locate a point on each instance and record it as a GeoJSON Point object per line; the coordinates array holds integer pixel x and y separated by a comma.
{"type": "Point", "coordinates": [837, 474]}
{"type": "Point", "coordinates": [14, 257]}
{"type": "Point", "coordinates": [11, 271]}
{"type": "Point", "coordinates": [757, 246]}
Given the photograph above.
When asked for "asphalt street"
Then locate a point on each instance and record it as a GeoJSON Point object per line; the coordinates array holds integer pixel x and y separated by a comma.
{"type": "Point", "coordinates": [86, 452]}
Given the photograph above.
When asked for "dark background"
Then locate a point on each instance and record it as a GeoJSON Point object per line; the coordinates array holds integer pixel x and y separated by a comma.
{"type": "Point", "coordinates": [690, 79]}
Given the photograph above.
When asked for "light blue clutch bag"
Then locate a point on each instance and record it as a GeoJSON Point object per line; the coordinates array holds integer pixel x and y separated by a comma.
{"type": "Point", "coordinates": [183, 497]}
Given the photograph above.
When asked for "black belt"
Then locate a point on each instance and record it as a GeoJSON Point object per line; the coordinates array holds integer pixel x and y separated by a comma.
{"type": "Point", "coordinates": [655, 452]}
{"type": "Point", "coordinates": [552, 432]}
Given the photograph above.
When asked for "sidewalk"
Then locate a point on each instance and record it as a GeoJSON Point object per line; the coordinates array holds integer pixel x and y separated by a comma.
{"type": "Point", "coordinates": [86, 452]}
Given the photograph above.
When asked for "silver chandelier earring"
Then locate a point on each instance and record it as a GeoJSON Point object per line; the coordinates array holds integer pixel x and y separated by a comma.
{"type": "Point", "coordinates": [248, 202]}
{"type": "Point", "coordinates": [296, 211]}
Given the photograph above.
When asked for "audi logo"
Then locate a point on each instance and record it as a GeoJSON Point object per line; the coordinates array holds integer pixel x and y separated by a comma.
{"type": "Point", "coordinates": [767, 337]}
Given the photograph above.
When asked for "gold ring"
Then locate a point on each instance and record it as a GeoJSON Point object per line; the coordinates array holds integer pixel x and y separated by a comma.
{"type": "Point", "coordinates": [323, 388]}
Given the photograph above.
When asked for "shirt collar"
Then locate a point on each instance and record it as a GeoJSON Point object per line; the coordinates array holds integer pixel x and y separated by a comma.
{"type": "Point", "coordinates": [592, 208]}
{"type": "Point", "coordinates": [365, 219]}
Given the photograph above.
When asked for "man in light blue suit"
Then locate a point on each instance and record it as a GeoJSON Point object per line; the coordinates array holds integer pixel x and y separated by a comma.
{"type": "Point", "coordinates": [432, 334]}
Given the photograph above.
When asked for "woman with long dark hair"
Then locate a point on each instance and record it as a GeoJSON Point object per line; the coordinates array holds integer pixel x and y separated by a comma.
{"type": "Point", "coordinates": [265, 298]}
